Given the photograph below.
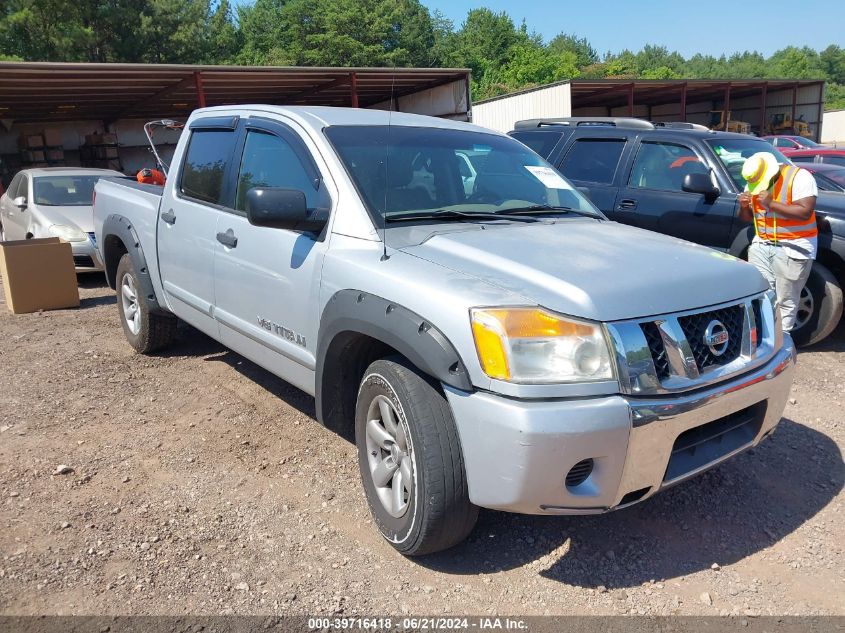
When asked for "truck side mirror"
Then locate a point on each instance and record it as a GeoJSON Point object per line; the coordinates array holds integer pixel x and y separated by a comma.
{"type": "Point", "coordinates": [700, 183]}
{"type": "Point", "coordinates": [20, 202]}
{"type": "Point", "coordinates": [279, 208]}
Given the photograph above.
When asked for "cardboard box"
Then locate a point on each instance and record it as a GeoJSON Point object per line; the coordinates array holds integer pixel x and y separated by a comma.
{"type": "Point", "coordinates": [55, 154]}
{"type": "Point", "coordinates": [52, 137]}
{"type": "Point", "coordinates": [104, 153]}
{"type": "Point", "coordinates": [31, 140]}
{"type": "Point", "coordinates": [108, 138]}
{"type": "Point", "coordinates": [92, 139]}
{"type": "Point", "coordinates": [38, 275]}
{"type": "Point", "coordinates": [34, 156]}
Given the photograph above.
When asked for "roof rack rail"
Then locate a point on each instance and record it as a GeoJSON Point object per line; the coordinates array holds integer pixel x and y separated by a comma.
{"type": "Point", "coordinates": [681, 125]}
{"type": "Point", "coordinates": [612, 121]}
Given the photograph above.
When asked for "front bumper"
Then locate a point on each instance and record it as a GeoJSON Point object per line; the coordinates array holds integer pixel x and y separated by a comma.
{"type": "Point", "coordinates": [86, 258]}
{"type": "Point", "coordinates": [517, 453]}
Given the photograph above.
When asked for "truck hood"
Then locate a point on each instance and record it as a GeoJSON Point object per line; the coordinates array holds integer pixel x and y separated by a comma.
{"type": "Point", "coordinates": [79, 216]}
{"type": "Point", "coordinates": [601, 271]}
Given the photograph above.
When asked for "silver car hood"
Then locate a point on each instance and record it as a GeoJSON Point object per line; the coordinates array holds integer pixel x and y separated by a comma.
{"type": "Point", "coordinates": [601, 271]}
{"type": "Point", "coordinates": [79, 216]}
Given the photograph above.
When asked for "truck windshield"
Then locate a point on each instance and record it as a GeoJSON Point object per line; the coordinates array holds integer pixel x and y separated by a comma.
{"type": "Point", "coordinates": [65, 191]}
{"type": "Point", "coordinates": [403, 170]}
{"type": "Point", "coordinates": [733, 152]}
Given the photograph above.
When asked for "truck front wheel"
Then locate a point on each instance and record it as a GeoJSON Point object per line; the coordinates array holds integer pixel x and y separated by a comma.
{"type": "Point", "coordinates": [146, 331]}
{"type": "Point", "coordinates": [410, 458]}
{"type": "Point", "coordinates": [819, 308]}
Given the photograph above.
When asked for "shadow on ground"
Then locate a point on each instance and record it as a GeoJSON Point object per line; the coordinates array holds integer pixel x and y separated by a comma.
{"type": "Point", "coordinates": [192, 342]}
{"type": "Point", "coordinates": [723, 516]}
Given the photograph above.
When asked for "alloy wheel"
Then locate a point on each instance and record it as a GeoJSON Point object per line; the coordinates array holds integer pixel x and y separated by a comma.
{"type": "Point", "coordinates": [806, 306]}
{"type": "Point", "coordinates": [129, 301]}
{"type": "Point", "coordinates": [390, 456]}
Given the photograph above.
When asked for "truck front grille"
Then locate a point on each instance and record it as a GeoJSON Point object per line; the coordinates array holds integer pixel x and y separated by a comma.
{"type": "Point", "coordinates": [695, 326]}
{"type": "Point", "coordinates": [657, 349]}
{"type": "Point", "coordinates": [677, 352]}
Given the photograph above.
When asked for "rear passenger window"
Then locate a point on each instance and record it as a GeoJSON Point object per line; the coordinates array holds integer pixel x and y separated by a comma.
{"type": "Point", "coordinates": [269, 161]}
{"type": "Point", "coordinates": [541, 143]}
{"type": "Point", "coordinates": [802, 159]}
{"type": "Point", "coordinates": [593, 159]}
{"type": "Point", "coordinates": [205, 164]}
{"type": "Point", "coordinates": [663, 166]}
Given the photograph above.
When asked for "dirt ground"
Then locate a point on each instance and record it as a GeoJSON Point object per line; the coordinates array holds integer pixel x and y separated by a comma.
{"type": "Point", "coordinates": [201, 484]}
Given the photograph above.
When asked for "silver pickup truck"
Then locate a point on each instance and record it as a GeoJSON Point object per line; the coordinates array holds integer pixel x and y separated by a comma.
{"type": "Point", "coordinates": [488, 337]}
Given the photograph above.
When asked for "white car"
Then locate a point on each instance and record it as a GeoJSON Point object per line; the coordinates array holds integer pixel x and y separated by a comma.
{"type": "Point", "coordinates": [54, 202]}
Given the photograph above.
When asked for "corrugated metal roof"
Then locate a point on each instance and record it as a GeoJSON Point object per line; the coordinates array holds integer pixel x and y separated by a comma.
{"type": "Point", "coordinates": [614, 92]}
{"type": "Point", "coordinates": [44, 91]}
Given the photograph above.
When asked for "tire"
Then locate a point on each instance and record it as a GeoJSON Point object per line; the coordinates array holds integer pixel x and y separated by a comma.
{"type": "Point", "coordinates": [146, 331]}
{"type": "Point", "coordinates": [820, 307]}
{"type": "Point", "coordinates": [437, 512]}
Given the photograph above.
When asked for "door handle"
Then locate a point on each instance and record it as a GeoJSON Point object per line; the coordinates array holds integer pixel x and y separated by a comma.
{"type": "Point", "coordinates": [626, 204]}
{"type": "Point", "coordinates": [169, 216]}
{"type": "Point", "coordinates": [228, 239]}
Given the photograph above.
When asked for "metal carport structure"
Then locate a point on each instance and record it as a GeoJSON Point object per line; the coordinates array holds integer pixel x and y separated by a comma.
{"type": "Point", "coordinates": [750, 100]}
{"type": "Point", "coordinates": [77, 99]}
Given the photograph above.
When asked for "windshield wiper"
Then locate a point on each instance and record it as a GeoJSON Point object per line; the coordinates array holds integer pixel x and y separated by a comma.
{"type": "Point", "coordinates": [547, 209]}
{"type": "Point", "coordinates": [447, 215]}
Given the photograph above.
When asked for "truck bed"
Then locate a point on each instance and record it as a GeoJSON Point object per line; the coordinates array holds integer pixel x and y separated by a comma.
{"type": "Point", "coordinates": [139, 203]}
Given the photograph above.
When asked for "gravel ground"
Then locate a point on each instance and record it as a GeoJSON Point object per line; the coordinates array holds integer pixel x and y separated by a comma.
{"type": "Point", "coordinates": [198, 483]}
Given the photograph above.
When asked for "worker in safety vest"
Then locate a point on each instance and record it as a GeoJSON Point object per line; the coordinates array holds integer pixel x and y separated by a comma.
{"type": "Point", "coordinates": [781, 202]}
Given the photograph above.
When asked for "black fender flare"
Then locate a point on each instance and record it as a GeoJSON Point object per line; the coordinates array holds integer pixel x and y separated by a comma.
{"type": "Point", "coordinates": [413, 336]}
{"type": "Point", "coordinates": [119, 227]}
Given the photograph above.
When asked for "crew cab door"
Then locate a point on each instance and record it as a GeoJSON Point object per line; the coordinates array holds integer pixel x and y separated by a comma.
{"type": "Point", "coordinates": [268, 279]}
{"type": "Point", "coordinates": [591, 162]}
{"type": "Point", "coordinates": [187, 222]}
{"type": "Point", "coordinates": [652, 196]}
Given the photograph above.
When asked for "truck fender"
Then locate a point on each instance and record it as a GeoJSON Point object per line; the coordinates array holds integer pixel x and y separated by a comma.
{"type": "Point", "coordinates": [354, 313]}
{"type": "Point", "coordinates": [119, 236]}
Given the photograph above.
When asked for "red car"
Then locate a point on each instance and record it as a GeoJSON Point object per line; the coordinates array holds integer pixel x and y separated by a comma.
{"type": "Point", "coordinates": [817, 155]}
{"type": "Point", "coordinates": [828, 177]}
{"type": "Point", "coordinates": [790, 141]}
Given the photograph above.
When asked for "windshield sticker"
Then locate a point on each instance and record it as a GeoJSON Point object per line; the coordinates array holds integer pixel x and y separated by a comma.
{"type": "Point", "coordinates": [547, 176]}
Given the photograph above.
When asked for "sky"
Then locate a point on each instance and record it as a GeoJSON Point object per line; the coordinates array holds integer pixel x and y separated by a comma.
{"type": "Point", "coordinates": [685, 26]}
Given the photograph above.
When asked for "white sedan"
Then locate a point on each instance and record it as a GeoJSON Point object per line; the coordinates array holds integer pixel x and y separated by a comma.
{"type": "Point", "coordinates": [54, 202]}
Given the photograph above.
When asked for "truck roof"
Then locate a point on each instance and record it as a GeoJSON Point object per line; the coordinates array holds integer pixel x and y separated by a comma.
{"type": "Point", "coordinates": [325, 116]}
{"type": "Point", "coordinates": [70, 171]}
{"type": "Point", "coordinates": [565, 124]}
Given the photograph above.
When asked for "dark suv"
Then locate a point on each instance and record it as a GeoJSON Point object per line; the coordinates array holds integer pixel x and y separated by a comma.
{"type": "Point", "coordinates": [684, 180]}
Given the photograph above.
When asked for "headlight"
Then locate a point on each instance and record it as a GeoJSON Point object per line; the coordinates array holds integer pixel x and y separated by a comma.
{"type": "Point", "coordinates": [531, 345]}
{"type": "Point", "coordinates": [68, 233]}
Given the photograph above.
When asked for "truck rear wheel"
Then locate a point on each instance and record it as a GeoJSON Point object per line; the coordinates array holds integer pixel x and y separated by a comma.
{"type": "Point", "coordinates": [819, 308]}
{"type": "Point", "coordinates": [410, 458]}
{"type": "Point", "coordinates": [146, 331]}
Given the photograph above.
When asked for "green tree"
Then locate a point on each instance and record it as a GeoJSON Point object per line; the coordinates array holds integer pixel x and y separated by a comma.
{"type": "Point", "coordinates": [337, 33]}
{"type": "Point", "coordinates": [531, 64]}
{"type": "Point", "coordinates": [795, 63]}
{"type": "Point", "coordinates": [832, 60]}
{"type": "Point", "coordinates": [585, 54]}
